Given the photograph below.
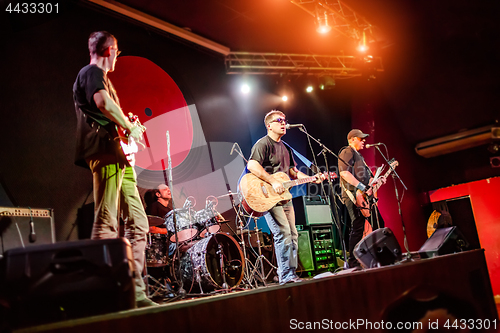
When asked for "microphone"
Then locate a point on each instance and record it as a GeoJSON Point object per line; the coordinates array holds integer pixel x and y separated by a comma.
{"type": "Point", "coordinates": [288, 126]}
{"type": "Point", "coordinates": [373, 144]}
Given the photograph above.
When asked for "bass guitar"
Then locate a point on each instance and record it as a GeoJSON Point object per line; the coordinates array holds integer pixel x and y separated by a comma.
{"type": "Point", "coordinates": [365, 200]}
{"type": "Point", "coordinates": [259, 196]}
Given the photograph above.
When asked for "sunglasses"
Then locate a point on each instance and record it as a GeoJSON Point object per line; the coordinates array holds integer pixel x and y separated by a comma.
{"type": "Point", "coordinates": [279, 120]}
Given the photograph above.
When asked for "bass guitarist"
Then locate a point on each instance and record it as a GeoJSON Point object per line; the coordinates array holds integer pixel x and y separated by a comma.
{"type": "Point", "coordinates": [98, 113]}
{"type": "Point", "coordinates": [356, 175]}
{"type": "Point", "coordinates": [270, 155]}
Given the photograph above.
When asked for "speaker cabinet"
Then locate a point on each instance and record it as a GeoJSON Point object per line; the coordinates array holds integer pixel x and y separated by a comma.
{"type": "Point", "coordinates": [312, 210]}
{"type": "Point", "coordinates": [66, 280]}
{"type": "Point", "coordinates": [444, 241]}
{"type": "Point", "coordinates": [16, 229]}
{"type": "Point", "coordinates": [305, 255]}
{"type": "Point", "coordinates": [380, 248]}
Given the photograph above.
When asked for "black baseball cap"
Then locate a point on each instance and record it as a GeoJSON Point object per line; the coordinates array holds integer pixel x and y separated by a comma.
{"type": "Point", "coordinates": [356, 133]}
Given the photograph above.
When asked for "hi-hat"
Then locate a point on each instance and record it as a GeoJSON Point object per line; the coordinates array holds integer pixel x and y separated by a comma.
{"type": "Point", "coordinates": [155, 221]}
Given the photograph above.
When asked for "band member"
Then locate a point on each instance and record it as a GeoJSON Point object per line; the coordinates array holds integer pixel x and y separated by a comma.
{"type": "Point", "coordinates": [163, 201]}
{"type": "Point", "coordinates": [354, 175]}
{"type": "Point", "coordinates": [98, 112]}
{"type": "Point", "coordinates": [270, 155]}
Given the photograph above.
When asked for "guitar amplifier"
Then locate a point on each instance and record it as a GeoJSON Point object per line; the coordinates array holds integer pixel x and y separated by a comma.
{"type": "Point", "coordinates": [24, 227]}
{"type": "Point", "coordinates": [312, 210]}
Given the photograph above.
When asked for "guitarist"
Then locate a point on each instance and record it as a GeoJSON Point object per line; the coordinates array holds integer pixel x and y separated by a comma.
{"type": "Point", "coordinates": [115, 190]}
{"type": "Point", "coordinates": [355, 175]}
{"type": "Point", "coordinates": [270, 155]}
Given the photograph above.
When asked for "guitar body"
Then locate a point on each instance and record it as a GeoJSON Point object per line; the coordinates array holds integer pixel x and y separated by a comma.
{"type": "Point", "coordinates": [259, 196]}
{"type": "Point", "coordinates": [127, 144]}
{"type": "Point", "coordinates": [362, 203]}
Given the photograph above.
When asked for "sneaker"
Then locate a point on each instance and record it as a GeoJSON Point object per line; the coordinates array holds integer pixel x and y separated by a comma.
{"type": "Point", "coordinates": [145, 302]}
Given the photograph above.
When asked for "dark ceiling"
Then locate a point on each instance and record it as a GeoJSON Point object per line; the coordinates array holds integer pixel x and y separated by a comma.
{"type": "Point", "coordinates": [440, 57]}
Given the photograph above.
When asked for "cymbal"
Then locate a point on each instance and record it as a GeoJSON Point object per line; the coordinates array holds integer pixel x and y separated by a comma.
{"type": "Point", "coordinates": [155, 221]}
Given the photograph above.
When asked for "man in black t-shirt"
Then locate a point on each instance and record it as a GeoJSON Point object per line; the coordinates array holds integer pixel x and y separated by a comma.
{"type": "Point", "coordinates": [115, 190]}
{"type": "Point", "coordinates": [270, 155]}
{"type": "Point", "coordinates": [354, 175]}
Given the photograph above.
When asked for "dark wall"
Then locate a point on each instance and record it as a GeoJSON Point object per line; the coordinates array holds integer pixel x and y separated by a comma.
{"type": "Point", "coordinates": [44, 58]}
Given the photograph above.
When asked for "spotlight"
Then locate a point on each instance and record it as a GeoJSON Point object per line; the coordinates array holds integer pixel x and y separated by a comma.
{"type": "Point", "coordinates": [323, 26]}
{"type": "Point", "coordinates": [245, 88]}
{"type": "Point", "coordinates": [362, 47]}
{"type": "Point", "coordinates": [327, 82]}
{"type": "Point", "coordinates": [309, 89]}
{"type": "Point", "coordinates": [284, 98]}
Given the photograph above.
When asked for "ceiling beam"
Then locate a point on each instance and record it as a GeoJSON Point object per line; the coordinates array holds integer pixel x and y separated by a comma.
{"type": "Point", "coordinates": [162, 25]}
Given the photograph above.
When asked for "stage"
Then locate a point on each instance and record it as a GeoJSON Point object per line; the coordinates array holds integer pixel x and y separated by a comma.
{"type": "Point", "coordinates": [423, 292]}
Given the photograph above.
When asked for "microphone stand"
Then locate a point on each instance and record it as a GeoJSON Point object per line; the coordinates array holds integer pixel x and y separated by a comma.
{"type": "Point", "coordinates": [181, 291]}
{"type": "Point", "coordinates": [325, 149]}
{"type": "Point", "coordinates": [394, 175]}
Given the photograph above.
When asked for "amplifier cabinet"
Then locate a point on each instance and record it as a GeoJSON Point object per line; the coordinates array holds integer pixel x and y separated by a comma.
{"type": "Point", "coordinates": [24, 227]}
{"type": "Point", "coordinates": [312, 210]}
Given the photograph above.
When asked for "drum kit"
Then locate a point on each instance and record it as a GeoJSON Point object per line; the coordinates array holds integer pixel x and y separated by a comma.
{"type": "Point", "coordinates": [205, 259]}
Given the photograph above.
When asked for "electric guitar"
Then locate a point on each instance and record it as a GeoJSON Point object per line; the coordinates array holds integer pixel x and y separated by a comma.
{"type": "Point", "coordinates": [127, 144]}
{"type": "Point", "coordinates": [259, 196]}
{"type": "Point", "coordinates": [365, 200]}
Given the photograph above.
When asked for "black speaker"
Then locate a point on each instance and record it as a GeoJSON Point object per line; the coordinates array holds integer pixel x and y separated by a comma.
{"type": "Point", "coordinates": [444, 241]}
{"type": "Point", "coordinates": [23, 227]}
{"type": "Point", "coordinates": [305, 255]}
{"type": "Point", "coordinates": [312, 210]}
{"type": "Point", "coordinates": [66, 280]}
{"type": "Point", "coordinates": [380, 248]}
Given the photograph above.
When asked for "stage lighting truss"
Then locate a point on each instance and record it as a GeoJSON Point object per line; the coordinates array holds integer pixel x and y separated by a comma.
{"type": "Point", "coordinates": [340, 17]}
{"type": "Point", "coordinates": [338, 66]}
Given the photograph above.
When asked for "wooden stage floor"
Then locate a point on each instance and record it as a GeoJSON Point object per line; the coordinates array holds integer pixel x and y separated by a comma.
{"type": "Point", "coordinates": [428, 291]}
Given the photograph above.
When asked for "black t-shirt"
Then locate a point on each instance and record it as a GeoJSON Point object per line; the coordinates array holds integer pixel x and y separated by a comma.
{"type": "Point", "coordinates": [355, 165]}
{"type": "Point", "coordinates": [93, 126]}
{"type": "Point", "coordinates": [273, 156]}
{"type": "Point", "coordinates": [157, 209]}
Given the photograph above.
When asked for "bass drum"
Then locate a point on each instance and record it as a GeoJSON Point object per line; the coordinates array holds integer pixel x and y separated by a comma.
{"type": "Point", "coordinates": [201, 264]}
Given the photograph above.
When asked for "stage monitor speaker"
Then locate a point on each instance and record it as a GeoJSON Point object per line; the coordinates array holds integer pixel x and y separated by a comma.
{"type": "Point", "coordinates": [444, 241]}
{"type": "Point", "coordinates": [306, 261]}
{"type": "Point", "coordinates": [312, 210]}
{"type": "Point", "coordinates": [23, 227]}
{"type": "Point", "coordinates": [380, 248]}
{"type": "Point", "coordinates": [67, 280]}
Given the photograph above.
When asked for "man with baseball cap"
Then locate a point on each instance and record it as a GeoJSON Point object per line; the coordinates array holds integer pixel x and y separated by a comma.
{"type": "Point", "coordinates": [354, 175]}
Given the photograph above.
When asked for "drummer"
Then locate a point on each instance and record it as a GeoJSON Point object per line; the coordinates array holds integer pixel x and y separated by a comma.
{"type": "Point", "coordinates": [163, 203]}
{"type": "Point", "coordinates": [161, 207]}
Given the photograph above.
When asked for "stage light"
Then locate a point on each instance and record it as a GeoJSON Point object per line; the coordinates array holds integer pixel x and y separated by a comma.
{"type": "Point", "coordinates": [323, 26]}
{"type": "Point", "coordinates": [327, 82]}
{"type": "Point", "coordinates": [309, 89]}
{"type": "Point", "coordinates": [284, 98]}
{"type": "Point", "coordinates": [362, 47]}
{"type": "Point", "coordinates": [245, 88]}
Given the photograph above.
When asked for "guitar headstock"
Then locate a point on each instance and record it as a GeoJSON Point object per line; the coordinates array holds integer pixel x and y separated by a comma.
{"type": "Point", "coordinates": [393, 163]}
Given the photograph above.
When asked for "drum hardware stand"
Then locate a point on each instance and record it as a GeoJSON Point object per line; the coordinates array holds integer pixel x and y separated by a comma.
{"type": "Point", "coordinates": [181, 292]}
{"type": "Point", "coordinates": [220, 252]}
{"type": "Point", "coordinates": [259, 264]}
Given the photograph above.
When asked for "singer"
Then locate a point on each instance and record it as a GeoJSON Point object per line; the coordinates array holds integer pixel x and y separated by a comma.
{"type": "Point", "coordinates": [115, 191]}
{"type": "Point", "coordinates": [270, 155]}
{"type": "Point", "coordinates": [355, 175]}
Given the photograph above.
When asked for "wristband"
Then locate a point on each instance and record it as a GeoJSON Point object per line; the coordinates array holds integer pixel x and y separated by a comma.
{"type": "Point", "coordinates": [361, 186]}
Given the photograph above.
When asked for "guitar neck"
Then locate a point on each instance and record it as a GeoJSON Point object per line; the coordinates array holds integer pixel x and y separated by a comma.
{"type": "Point", "coordinates": [376, 187]}
{"type": "Point", "coordinates": [295, 182]}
